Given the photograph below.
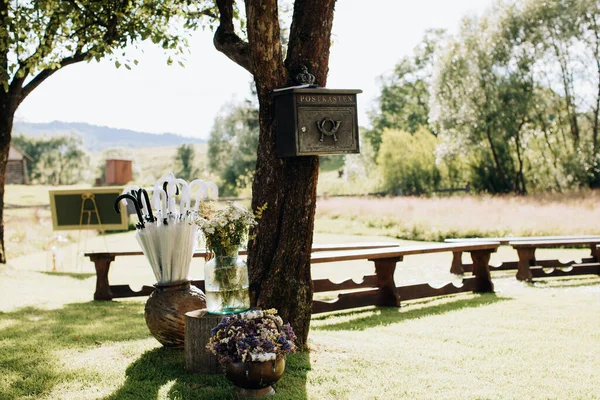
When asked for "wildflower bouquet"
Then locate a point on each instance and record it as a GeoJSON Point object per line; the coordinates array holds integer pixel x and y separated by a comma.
{"type": "Point", "coordinates": [226, 276]}
{"type": "Point", "coordinates": [254, 335]}
{"type": "Point", "coordinates": [225, 229]}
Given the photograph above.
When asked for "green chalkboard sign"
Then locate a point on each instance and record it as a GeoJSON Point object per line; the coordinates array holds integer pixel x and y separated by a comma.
{"type": "Point", "coordinates": [91, 208]}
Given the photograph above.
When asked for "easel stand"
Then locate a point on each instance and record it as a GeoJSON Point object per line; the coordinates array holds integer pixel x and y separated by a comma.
{"type": "Point", "coordinates": [88, 207]}
{"type": "Point", "coordinates": [198, 325]}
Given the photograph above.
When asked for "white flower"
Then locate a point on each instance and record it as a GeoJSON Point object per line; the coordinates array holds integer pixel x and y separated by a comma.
{"type": "Point", "coordinates": [262, 357]}
{"type": "Point", "coordinates": [252, 314]}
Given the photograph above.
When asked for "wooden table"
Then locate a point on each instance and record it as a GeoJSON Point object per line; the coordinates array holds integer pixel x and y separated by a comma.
{"type": "Point", "coordinates": [459, 268]}
{"type": "Point", "coordinates": [102, 262]}
{"type": "Point", "coordinates": [528, 265]}
{"type": "Point", "coordinates": [381, 290]}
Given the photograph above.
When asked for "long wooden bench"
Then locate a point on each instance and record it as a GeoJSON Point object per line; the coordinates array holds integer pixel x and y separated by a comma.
{"type": "Point", "coordinates": [459, 268]}
{"type": "Point", "coordinates": [102, 262]}
{"type": "Point", "coordinates": [381, 290]}
{"type": "Point", "coordinates": [528, 266]}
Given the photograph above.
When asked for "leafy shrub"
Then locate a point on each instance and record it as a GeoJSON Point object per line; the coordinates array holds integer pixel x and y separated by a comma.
{"type": "Point", "coordinates": [407, 162]}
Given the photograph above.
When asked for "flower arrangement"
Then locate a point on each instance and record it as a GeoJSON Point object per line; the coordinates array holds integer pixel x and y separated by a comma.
{"type": "Point", "coordinates": [254, 335]}
{"type": "Point", "coordinates": [225, 229]}
{"type": "Point", "coordinates": [226, 276]}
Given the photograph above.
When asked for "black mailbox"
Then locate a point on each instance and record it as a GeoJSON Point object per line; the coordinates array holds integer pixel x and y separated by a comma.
{"type": "Point", "coordinates": [316, 121]}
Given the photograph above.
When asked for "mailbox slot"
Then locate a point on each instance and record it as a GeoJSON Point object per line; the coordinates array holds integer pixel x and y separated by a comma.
{"type": "Point", "coordinates": [316, 121]}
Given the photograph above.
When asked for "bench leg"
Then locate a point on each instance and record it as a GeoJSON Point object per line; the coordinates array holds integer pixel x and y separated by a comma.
{"type": "Point", "coordinates": [457, 266]}
{"type": "Point", "coordinates": [595, 252]}
{"type": "Point", "coordinates": [385, 268]}
{"type": "Point", "coordinates": [526, 259]}
{"type": "Point", "coordinates": [102, 265]}
{"type": "Point", "coordinates": [481, 271]}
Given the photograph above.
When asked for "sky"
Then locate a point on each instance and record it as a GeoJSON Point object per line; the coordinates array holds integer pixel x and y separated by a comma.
{"type": "Point", "coordinates": [153, 97]}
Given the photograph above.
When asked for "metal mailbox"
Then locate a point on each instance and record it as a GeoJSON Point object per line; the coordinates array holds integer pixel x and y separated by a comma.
{"type": "Point", "coordinates": [316, 121]}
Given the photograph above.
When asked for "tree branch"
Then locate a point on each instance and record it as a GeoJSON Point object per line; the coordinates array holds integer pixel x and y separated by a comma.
{"type": "Point", "coordinates": [304, 38]}
{"type": "Point", "coordinates": [46, 73]}
{"type": "Point", "coordinates": [227, 41]}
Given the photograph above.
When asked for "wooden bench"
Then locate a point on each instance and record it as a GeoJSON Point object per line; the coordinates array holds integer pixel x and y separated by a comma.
{"type": "Point", "coordinates": [528, 266]}
{"type": "Point", "coordinates": [459, 268]}
{"type": "Point", "coordinates": [381, 290]}
{"type": "Point", "coordinates": [103, 260]}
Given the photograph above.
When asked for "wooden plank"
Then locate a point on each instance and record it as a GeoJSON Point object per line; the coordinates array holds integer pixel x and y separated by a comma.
{"type": "Point", "coordinates": [400, 251]}
{"type": "Point", "coordinates": [554, 243]}
{"type": "Point", "coordinates": [576, 269]}
{"type": "Point", "coordinates": [512, 265]}
{"type": "Point", "coordinates": [372, 297]}
{"type": "Point", "coordinates": [120, 291]}
{"type": "Point", "coordinates": [506, 240]}
{"type": "Point", "coordinates": [345, 301]}
{"type": "Point", "coordinates": [424, 290]}
{"type": "Point", "coordinates": [326, 285]}
{"type": "Point", "coordinates": [315, 248]}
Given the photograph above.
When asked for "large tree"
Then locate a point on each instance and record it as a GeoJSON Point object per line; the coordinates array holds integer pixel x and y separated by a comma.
{"type": "Point", "coordinates": [279, 256]}
{"type": "Point", "coordinates": [37, 38]}
{"type": "Point", "coordinates": [403, 104]}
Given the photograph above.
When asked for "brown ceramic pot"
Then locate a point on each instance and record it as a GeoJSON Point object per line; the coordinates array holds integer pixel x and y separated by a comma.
{"type": "Point", "coordinates": [255, 378]}
{"type": "Point", "coordinates": [165, 311]}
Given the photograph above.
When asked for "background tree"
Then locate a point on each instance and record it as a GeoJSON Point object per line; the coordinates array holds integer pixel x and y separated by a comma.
{"type": "Point", "coordinates": [404, 100]}
{"type": "Point", "coordinates": [56, 160]}
{"type": "Point", "coordinates": [407, 162]}
{"type": "Point", "coordinates": [185, 162]}
{"type": "Point", "coordinates": [232, 147]}
{"type": "Point", "coordinates": [37, 38]}
{"type": "Point", "coordinates": [279, 256]}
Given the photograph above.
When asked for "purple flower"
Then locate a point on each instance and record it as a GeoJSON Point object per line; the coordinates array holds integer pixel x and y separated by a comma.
{"type": "Point", "coordinates": [241, 337]}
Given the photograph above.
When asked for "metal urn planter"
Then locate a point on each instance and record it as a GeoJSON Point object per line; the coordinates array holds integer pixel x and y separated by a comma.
{"type": "Point", "coordinates": [165, 311]}
{"type": "Point", "coordinates": [254, 379]}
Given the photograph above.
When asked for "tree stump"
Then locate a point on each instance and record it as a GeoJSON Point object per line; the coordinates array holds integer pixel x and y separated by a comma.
{"type": "Point", "coordinates": [198, 325]}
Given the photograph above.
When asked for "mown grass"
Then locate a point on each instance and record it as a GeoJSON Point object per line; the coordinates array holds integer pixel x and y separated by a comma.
{"type": "Point", "coordinates": [526, 341]}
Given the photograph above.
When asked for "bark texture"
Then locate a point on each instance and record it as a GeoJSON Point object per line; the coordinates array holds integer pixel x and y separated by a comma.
{"type": "Point", "coordinates": [279, 256]}
{"type": "Point", "coordinates": [6, 122]}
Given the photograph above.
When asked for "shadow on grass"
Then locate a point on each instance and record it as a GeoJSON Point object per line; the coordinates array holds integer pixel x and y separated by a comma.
{"type": "Point", "coordinates": [75, 275]}
{"type": "Point", "coordinates": [162, 371]}
{"type": "Point", "coordinates": [381, 316]}
{"type": "Point", "coordinates": [31, 337]}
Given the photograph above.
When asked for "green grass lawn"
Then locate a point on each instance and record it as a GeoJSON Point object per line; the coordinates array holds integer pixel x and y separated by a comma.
{"type": "Point", "coordinates": [525, 341]}
{"type": "Point", "coordinates": [538, 341]}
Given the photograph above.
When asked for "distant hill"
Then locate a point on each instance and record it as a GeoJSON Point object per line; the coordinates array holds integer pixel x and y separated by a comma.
{"type": "Point", "coordinates": [98, 138]}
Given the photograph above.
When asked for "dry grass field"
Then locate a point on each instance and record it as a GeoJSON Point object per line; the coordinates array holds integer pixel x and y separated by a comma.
{"type": "Point", "coordinates": [410, 218]}
{"type": "Point", "coordinates": [437, 218]}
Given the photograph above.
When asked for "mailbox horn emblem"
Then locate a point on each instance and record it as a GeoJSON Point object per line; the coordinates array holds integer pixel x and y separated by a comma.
{"type": "Point", "coordinates": [328, 127]}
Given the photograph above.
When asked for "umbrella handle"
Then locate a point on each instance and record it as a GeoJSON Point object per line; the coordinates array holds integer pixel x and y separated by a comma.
{"type": "Point", "coordinates": [135, 204]}
{"type": "Point", "coordinates": [159, 198]}
{"type": "Point", "coordinates": [184, 199]}
{"type": "Point", "coordinates": [131, 189]}
{"type": "Point", "coordinates": [202, 192]}
{"type": "Point", "coordinates": [214, 188]}
{"type": "Point", "coordinates": [142, 194]}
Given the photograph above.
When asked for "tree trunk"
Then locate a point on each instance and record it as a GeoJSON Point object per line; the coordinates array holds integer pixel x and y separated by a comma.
{"type": "Point", "coordinates": [497, 163]}
{"type": "Point", "coordinates": [567, 80]}
{"type": "Point", "coordinates": [6, 121]}
{"type": "Point", "coordinates": [279, 256]}
{"type": "Point", "coordinates": [520, 176]}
